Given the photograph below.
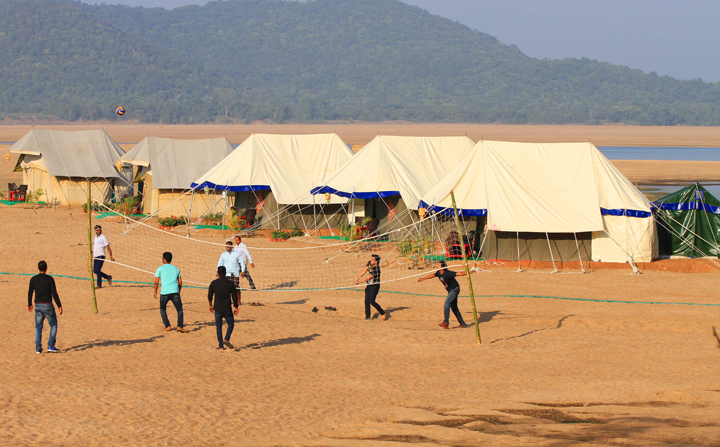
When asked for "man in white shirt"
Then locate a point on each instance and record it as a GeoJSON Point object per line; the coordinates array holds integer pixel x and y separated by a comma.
{"type": "Point", "coordinates": [233, 263]}
{"type": "Point", "coordinates": [100, 244]}
{"type": "Point", "coordinates": [242, 250]}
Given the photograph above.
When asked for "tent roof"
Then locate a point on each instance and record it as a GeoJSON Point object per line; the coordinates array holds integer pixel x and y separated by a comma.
{"type": "Point", "coordinates": [289, 165]}
{"type": "Point", "coordinates": [692, 197]}
{"type": "Point", "coordinates": [388, 165]}
{"type": "Point", "coordinates": [85, 153]}
{"type": "Point", "coordinates": [175, 164]}
{"type": "Point", "coordinates": [554, 188]}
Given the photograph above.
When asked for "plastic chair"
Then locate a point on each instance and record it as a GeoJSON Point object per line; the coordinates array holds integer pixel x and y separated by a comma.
{"type": "Point", "coordinates": [455, 251]}
{"type": "Point", "coordinates": [12, 190]}
{"type": "Point", "coordinates": [21, 193]}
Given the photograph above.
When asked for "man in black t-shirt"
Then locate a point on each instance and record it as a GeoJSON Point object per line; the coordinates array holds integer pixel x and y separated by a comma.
{"type": "Point", "coordinates": [43, 286]}
{"type": "Point", "coordinates": [447, 278]}
{"type": "Point", "coordinates": [223, 289]}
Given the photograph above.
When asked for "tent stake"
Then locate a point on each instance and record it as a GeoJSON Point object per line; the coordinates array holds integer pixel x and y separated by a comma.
{"type": "Point", "coordinates": [467, 269]}
{"type": "Point", "coordinates": [90, 246]}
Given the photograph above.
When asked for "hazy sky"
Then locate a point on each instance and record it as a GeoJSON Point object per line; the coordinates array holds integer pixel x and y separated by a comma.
{"type": "Point", "coordinates": [679, 38]}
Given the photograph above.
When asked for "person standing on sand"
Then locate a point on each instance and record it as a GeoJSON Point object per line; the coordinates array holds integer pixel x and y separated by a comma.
{"type": "Point", "coordinates": [244, 254]}
{"type": "Point", "coordinates": [43, 286]}
{"type": "Point", "coordinates": [100, 244]}
{"type": "Point", "coordinates": [233, 263]}
{"type": "Point", "coordinates": [223, 289]}
{"type": "Point", "coordinates": [447, 278]}
{"type": "Point", "coordinates": [169, 276]}
{"type": "Point", "coordinates": [373, 286]}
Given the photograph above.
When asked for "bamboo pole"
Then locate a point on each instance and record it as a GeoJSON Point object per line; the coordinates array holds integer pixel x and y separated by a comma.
{"type": "Point", "coordinates": [467, 269]}
{"type": "Point", "coordinates": [90, 246]}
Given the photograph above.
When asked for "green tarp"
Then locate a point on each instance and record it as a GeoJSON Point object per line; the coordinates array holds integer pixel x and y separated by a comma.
{"type": "Point", "coordinates": [688, 223]}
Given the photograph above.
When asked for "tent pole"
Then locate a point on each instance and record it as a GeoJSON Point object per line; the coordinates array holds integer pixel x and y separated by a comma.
{"type": "Point", "coordinates": [314, 214]}
{"type": "Point", "coordinates": [518, 247]}
{"type": "Point", "coordinates": [90, 246]}
{"type": "Point", "coordinates": [582, 268]}
{"type": "Point", "coordinates": [551, 254]}
{"type": "Point", "coordinates": [467, 270]}
{"type": "Point", "coordinates": [192, 196]}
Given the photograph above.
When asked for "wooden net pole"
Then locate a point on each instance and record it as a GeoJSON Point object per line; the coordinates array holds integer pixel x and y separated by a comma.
{"type": "Point", "coordinates": [467, 269]}
{"type": "Point", "coordinates": [90, 246]}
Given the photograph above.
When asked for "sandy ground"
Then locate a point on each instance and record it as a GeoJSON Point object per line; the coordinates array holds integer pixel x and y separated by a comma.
{"type": "Point", "coordinates": [361, 133]}
{"type": "Point", "coordinates": [550, 372]}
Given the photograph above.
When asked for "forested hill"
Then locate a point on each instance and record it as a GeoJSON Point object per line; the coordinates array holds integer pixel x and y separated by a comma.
{"type": "Point", "coordinates": [310, 61]}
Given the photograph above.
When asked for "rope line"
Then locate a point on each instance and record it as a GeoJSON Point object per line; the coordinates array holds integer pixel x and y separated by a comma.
{"type": "Point", "coordinates": [593, 300]}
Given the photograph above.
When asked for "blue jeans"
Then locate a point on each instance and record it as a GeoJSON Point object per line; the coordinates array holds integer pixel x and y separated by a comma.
{"type": "Point", "coordinates": [451, 304]}
{"type": "Point", "coordinates": [175, 298]}
{"type": "Point", "coordinates": [43, 311]}
{"type": "Point", "coordinates": [230, 319]}
{"type": "Point", "coordinates": [97, 269]}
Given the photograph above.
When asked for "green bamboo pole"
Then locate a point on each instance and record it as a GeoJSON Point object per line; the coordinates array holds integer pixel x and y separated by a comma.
{"type": "Point", "coordinates": [90, 246]}
{"type": "Point", "coordinates": [467, 269]}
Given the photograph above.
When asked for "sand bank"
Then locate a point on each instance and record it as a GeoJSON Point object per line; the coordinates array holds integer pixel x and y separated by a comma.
{"type": "Point", "coordinates": [361, 133]}
{"type": "Point", "coordinates": [549, 372]}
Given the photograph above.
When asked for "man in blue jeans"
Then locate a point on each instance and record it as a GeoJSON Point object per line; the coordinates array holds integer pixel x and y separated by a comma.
{"type": "Point", "coordinates": [447, 278]}
{"type": "Point", "coordinates": [169, 276]}
{"type": "Point", "coordinates": [223, 289]}
{"type": "Point", "coordinates": [43, 286]}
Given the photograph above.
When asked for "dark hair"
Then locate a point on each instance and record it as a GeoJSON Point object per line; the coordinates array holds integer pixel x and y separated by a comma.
{"type": "Point", "coordinates": [238, 237]}
{"type": "Point", "coordinates": [97, 226]}
{"type": "Point", "coordinates": [228, 243]}
{"type": "Point", "coordinates": [221, 270]}
{"type": "Point", "coordinates": [167, 256]}
{"type": "Point", "coordinates": [376, 258]}
{"type": "Point", "coordinates": [443, 264]}
{"type": "Point", "coordinates": [42, 266]}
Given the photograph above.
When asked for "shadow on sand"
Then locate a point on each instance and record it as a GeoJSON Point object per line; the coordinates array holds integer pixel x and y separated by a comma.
{"type": "Point", "coordinates": [279, 342]}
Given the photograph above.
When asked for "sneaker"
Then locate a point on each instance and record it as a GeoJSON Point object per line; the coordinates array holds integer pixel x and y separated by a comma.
{"type": "Point", "coordinates": [444, 325]}
{"type": "Point", "coordinates": [182, 329]}
{"type": "Point", "coordinates": [461, 326]}
{"type": "Point", "coordinates": [228, 344]}
{"type": "Point", "coordinates": [168, 329]}
{"type": "Point", "coordinates": [53, 349]}
{"type": "Point", "coordinates": [109, 280]}
{"type": "Point", "coordinates": [39, 351]}
{"type": "Point", "coordinates": [384, 316]}
{"type": "Point", "coordinates": [220, 348]}
{"type": "Point", "coordinates": [253, 288]}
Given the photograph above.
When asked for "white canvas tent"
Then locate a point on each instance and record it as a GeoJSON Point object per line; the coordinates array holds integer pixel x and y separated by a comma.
{"type": "Point", "coordinates": [278, 171]}
{"type": "Point", "coordinates": [550, 189]}
{"type": "Point", "coordinates": [60, 163]}
{"type": "Point", "coordinates": [168, 167]}
{"type": "Point", "coordinates": [390, 168]}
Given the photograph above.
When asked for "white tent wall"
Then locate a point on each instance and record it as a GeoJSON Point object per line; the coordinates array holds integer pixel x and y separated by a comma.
{"type": "Point", "coordinates": [176, 202]}
{"type": "Point", "coordinates": [625, 239]}
{"type": "Point", "coordinates": [66, 191]}
{"type": "Point", "coordinates": [325, 217]}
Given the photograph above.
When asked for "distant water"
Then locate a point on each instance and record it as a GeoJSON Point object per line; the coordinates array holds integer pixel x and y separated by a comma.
{"type": "Point", "coordinates": [661, 153]}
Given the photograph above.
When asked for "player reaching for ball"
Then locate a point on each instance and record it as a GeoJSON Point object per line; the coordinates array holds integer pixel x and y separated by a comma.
{"type": "Point", "coordinates": [447, 278]}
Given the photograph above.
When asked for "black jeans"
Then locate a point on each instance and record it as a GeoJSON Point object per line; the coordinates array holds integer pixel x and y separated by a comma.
{"type": "Point", "coordinates": [175, 298]}
{"type": "Point", "coordinates": [97, 267]}
{"type": "Point", "coordinates": [371, 292]}
{"type": "Point", "coordinates": [230, 319]}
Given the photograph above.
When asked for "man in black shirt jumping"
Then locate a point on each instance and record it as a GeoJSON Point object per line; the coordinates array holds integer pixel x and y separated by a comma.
{"type": "Point", "coordinates": [447, 278]}
{"type": "Point", "coordinates": [223, 289]}
{"type": "Point", "coordinates": [43, 286]}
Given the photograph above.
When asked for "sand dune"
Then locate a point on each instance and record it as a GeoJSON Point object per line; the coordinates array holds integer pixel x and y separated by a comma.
{"type": "Point", "coordinates": [549, 372]}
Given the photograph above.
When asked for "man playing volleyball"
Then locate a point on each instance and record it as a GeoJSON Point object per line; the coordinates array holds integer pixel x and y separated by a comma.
{"type": "Point", "coordinates": [447, 278]}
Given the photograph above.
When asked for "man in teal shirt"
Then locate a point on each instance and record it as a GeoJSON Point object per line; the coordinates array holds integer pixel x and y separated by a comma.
{"type": "Point", "coordinates": [169, 276]}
